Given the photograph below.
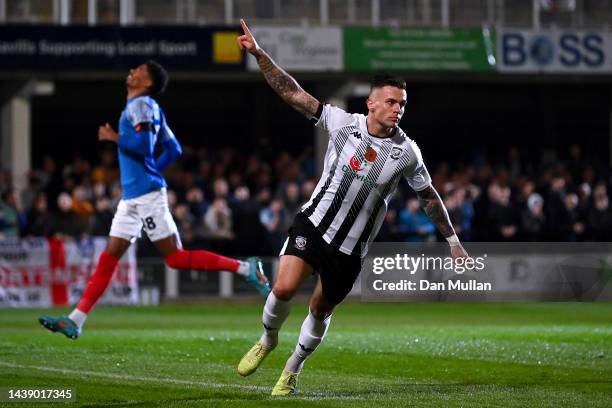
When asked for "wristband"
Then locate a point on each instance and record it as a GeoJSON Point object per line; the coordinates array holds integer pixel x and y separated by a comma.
{"type": "Point", "coordinates": [453, 240]}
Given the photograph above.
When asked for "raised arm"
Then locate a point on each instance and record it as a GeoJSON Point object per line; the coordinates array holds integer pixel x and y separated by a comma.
{"type": "Point", "coordinates": [434, 208]}
{"type": "Point", "coordinates": [282, 83]}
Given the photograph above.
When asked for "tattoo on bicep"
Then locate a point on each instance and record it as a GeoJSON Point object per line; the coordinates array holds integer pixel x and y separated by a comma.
{"type": "Point", "coordinates": [287, 87]}
{"type": "Point", "coordinates": [436, 211]}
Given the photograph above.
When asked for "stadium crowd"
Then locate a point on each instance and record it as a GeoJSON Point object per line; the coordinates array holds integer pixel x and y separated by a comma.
{"type": "Point", "coordinates": [244, 203]}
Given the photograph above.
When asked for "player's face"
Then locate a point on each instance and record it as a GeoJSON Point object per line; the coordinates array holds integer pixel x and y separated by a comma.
{"type": "Point", "coordinates": [138, 77]}
{"type": "Point", "coordinates": [386, 105]}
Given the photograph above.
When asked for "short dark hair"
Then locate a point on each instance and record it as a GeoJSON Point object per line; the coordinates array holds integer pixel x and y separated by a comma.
{"type": "Point", "coordinates": [381, 80]}
{"type": "Point", "coordinates": [159, 77]}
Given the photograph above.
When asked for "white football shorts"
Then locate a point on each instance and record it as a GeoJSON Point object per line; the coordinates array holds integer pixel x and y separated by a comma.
{"type": "Point", "coordinates": [148, 212]}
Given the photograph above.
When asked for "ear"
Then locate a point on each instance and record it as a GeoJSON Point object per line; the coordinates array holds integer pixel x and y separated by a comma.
{"type": "Point", "coordinates": [370, 105]}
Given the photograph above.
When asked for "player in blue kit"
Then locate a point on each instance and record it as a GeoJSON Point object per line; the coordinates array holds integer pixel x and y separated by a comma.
{"type": "Point", "coordinates": [144, 204]}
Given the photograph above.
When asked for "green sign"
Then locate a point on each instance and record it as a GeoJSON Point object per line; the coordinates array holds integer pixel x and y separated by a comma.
{"type": "Point", "coordinates": [419, 49]}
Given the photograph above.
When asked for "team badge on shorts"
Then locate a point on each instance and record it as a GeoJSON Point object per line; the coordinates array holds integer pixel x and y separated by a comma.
{"type": "Point", "coordinates": [300, 243]}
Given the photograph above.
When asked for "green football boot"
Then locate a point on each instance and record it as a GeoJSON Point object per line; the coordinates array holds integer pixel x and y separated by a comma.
{"type": "Point", "coordinates": [257, 277]}
{"type": "Point", "coordinates": [62, 325]}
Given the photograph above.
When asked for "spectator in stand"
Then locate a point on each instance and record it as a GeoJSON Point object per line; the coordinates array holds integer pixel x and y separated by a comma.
{"type": "Point", "coordinates": [571, 225]}
{"type": "Point", "coordinates": [466, 197]}
{"type": "Point", "coordinates": [38, 218]}
{"type": "Point", "coordinates": [290, 193]}
{"type": "Point", "coordinates": [101, 219]}
{"type": "Point", "coordinates": [186, 223]}
{"type": "Point", "coordinates": [526, 187]}
{"type": "Point", "coordinates": [307, 188]}
{"type": "Point", "coordinates": [196, 202]}
{"type": "Point", "coordinates": [107, 171]}
{"type": "Point", "coordinates": [50, 178]}
{"type": "Point", "coordinates": [390, 230]}
{"type": "Point", "coordinates": [245, 212]}
{"type": "Point", "coordinates": [218, 220]}
{"type": "Point", "coordinates": [454, 211]}
{"type": "Point", "coordinates": [415, 225]}
{"type": "Point", "coordinates": [115, 195]}
{"type": "Point", "coordinates": [263, 180]}
{"type": "Point", "coordinates": [600, 219]}
{"type": "Point", "coordinates": [555, 208]}
{"type": "Point", "coordinates": [220, 188]}
{"type": "Point", "coordinates": [533, 221]}
{"type": "Point", "coordinates": [172, 199]}
{"type": "Point", "coordinates": [10, 219]}
{"type": "Point", "coordinates": [64, 222]}
{"type": "Point", "coordinates": [274, 219]}
{"type": "Point", "coordinates": [80, 204]}
{"type": "Point", "coordinates": [29, 194]}
{"type": "Point", "coordinates": [263, 197]}
{"type": "Point", "coordinates": [99, 190]}
{"type": "Point", "coordinates": [503, 225]}
{"type": "Point", "coordinates": [584, 197]}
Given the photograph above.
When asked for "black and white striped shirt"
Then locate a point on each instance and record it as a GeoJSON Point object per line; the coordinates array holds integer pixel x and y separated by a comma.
{"type": "Point", "coordinates": [360, 175]}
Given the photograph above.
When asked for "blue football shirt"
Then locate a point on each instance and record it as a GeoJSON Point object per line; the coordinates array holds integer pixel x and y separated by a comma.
{"type": "Point", "coordinates": [142, 128]}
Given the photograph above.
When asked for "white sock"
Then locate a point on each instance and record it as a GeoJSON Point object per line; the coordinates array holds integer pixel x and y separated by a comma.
{"type": "Point", "coordinates": [275, 312]}
{"type": "Point", "coordinates": [311, 335]}
{"type": "Point", "coordinates": [243, 268]}
{"type": "Point", "coordinates": [78, 317]}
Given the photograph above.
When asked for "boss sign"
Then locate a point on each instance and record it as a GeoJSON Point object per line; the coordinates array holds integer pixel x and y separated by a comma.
{"type": "Point", "coordinates": [554, 52]}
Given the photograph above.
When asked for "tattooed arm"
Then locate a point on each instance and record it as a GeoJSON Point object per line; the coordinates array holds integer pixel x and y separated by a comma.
{"type": "Point", "coordinates": [434, 208]}
{"type": "Point", "coordinates": [282, 83]}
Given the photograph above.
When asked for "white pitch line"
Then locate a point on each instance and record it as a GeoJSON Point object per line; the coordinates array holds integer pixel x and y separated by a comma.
{"type": "Point", "coordinates": [135, 377]}
{"type": "Point", "coordinates": [316, 396]}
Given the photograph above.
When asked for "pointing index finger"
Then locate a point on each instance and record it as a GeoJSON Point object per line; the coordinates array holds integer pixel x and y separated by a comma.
{"type": "Point", "coordinates": [245, 28]}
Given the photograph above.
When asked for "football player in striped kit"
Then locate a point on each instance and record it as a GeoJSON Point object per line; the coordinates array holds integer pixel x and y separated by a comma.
{"type": "Point", "coordinates": [366, 158]}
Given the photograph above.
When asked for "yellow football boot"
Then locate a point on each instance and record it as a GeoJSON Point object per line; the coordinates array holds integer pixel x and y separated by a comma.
{"type": "Point", "coordinates": [253, 358]}
{"type": "Point", "coordinates": [286, 384]}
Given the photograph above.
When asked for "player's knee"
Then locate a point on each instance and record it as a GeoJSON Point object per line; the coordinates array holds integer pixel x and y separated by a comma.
{"type": "Point", "coordinates": [179, 259]}
{"type": "Point", "coordinates": [283, 292]}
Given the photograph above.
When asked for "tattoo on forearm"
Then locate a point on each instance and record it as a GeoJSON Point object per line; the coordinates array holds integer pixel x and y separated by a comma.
{"type": "Point", "coordinates": [434, 208]}
{"type": "Point", "coordinates": [287, 87]}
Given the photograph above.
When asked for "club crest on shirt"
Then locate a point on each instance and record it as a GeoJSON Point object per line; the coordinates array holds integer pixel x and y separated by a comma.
{"type": "Point", "coordinates": [300, 242]}
{"type": "Point", "coordinates": [396, 152]}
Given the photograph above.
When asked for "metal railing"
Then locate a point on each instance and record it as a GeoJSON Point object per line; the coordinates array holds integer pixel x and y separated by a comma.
{"type": "Point", "coordinates": [593, 14]}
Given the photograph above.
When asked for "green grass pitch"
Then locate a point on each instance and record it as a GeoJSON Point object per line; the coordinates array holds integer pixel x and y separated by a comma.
{"type": "Point", "coordinates": [381, 355]}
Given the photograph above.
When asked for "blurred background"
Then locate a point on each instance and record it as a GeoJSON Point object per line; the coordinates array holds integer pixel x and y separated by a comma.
{"type": "Point", "coordinates": [510, 102]}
